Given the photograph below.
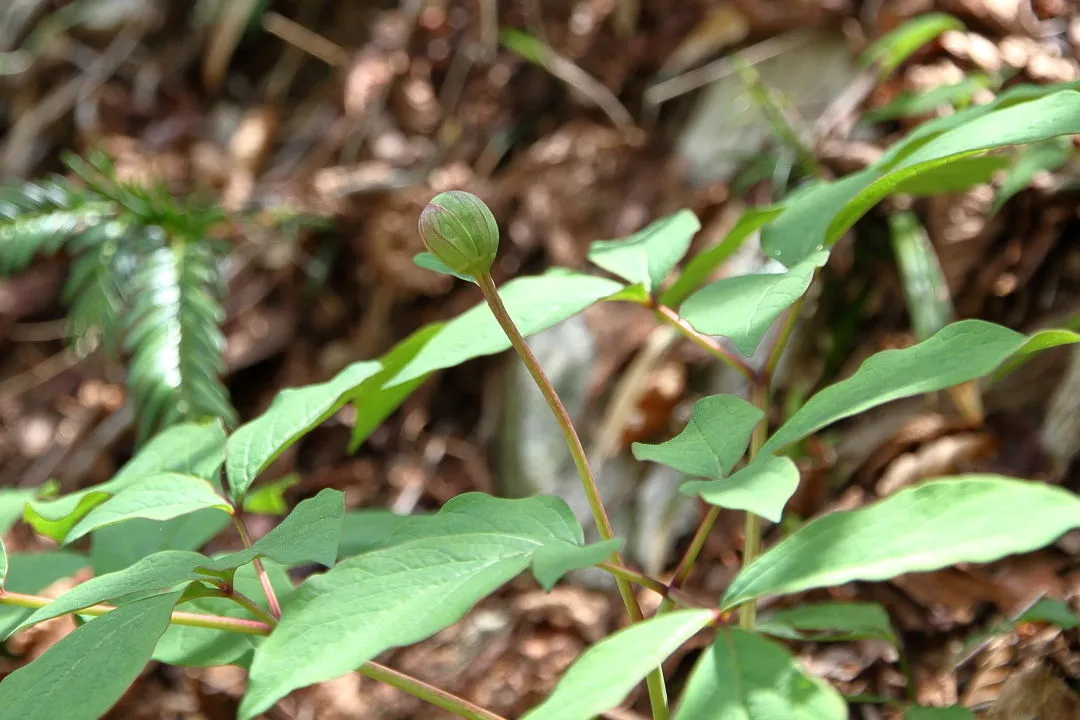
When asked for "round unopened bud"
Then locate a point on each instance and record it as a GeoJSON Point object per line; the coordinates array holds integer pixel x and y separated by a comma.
{"type": "Point", "coordinates": [459, 229]}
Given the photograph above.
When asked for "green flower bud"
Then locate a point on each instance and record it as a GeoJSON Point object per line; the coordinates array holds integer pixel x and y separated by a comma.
{"type": "Point", "coordinates": [459, 229]}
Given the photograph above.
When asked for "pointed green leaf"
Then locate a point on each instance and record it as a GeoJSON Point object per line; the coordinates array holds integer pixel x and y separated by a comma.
{"type": "Point", "coordinates": [822, 622]}
{"type": "Point", "coordinates": [86, 673]}
{"type": "Point", "coordinates": [12, 505]}
{"type": "Point", "coordinates": [311, 533]}
{"type": "Point", "coordinates": [969, 518]}
{"type": "Point", "coordinates": [160, 497]}
{"type": "Point", "coordinates": [362, 530]}
{"type": "Point", "coordinates": [32, 573]}
{"type": "Point", "coordinates": [819, 215]}
{"type": "Point", "coordinates": [929, 303]}
{"type": "Point", "coordinates": [743, 308]}
{"type": "Point", "coordinates": [960, 352]}
{"type": "Point", "coordinates": [606, 673]}
{"type": "Point", "coordinates": [956, 712]}
{"type": "Point", "coordinates": [269, 498]}
{"type": "Point", "coordinates": [115, 547]}
{"type": "Point", "coordinates": [743, 676]}
{"type": "Point", "coordinates": [763, 487]}
{"type": "Point", "coordinates": [651, 253]}
{"type": "Point", "coordinates": [188, 646]}
{"type": "Point", "coordinates": [194, 448]}
{"type": "Point", "coordinates": [712, 442]}
{"type": "Point", "coordinates": [553, 561]}
{"type": "Point", "coordinates": [157, 573]}
{"type": "Point", "coordinates": [701, 266]}
{"type": "Point", "coordinates": [429, 262]}
{"type": "Point", "coordinates": [374, 400]}
{"type": "Point", "coordinates": [894, 47]}
{"type": "Point", "coordinates": [1051, 611]}
{"type": "Point", "coordinates": [535, 303]}
{"type": "Point", "coordinates": [291, 415]}
{"type": "Point", "coordinates": [419, 580]}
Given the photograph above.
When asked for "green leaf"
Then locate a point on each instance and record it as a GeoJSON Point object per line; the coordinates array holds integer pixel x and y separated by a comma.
{"type": "Point", "coordinates": [155, 574]}
{"type": "Point", "coordinates": [958, 353]}
{"type": "Point", "coordinates": [86, 672]}
{"type": "Point", "coordinates": [553, 561]}
{"type": "Point", "coordinates": [955, 712]}
{"type": "Point", "coordinates": [702, 265]}
{"type": "Point", "coordinates": [606, 673]}
{"type": "Point", "coordinates": [174, 337]}
{"type": "Point", "coordinates": [534, 303]}
{"type": "Point", "coordinates": [743, 308]}
{"type": "Point", "coordinates": [292, 414]}
{"type": "Point", "coordinates": [374, 400]}
{"type": "Point", "coordinates": [160, 497]}
{"type": "Point", "coordinates": [818, 216]}
{"type": "Point", "coordinates": [12, 505]}
{"type": "Point", "coordinates": [420, 580]}
{"type": "Point", "coordinates": [32, 573]}
{"type": "Point", "coordinates": [969, 518]}
{"type": "Point", "coordinates": [429, 262]}
{"type": "Point", "coordinates": [362, 530]}
{"type": "Point", "coordinates": [269, 499]}
{"type": "Point", "coordinates": [928, 300]}
{"type": "Point", "coordinates": [193, 448]}
{"type": "Point", "coordinates": [955, 176]}
{"type": "Point", "coordinates": [95, 288]}
{"type": "Point", "coordinates": [200, 647]}
{"type": "Point", "coordinates": [743, 676]}
{"type": "Point", "coordinates": [763, 487]}
{"type": "Point", "coordinates": [896, 46]}
{"type": "Point", "coordinates": [1038, 157]}
{"type": "Point", "coordinates": [1053, 612]}
{"type": "Point", "coordinates": [311, 533]}
{"type": "Point", "coordinates": [829, 622]}
{"type": "Point", "coordinates": [115, 547]}
{"type": "Point", "coordinates": [712, 442]}
{"type": "Point", "coordinates": [3, 564]}
{"type": "Point", "coordinates": [913, 104]}
{"type": "Point", "coordinates": [651, 253]}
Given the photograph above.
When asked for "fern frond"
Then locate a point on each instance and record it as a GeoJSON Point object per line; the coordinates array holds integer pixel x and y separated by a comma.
{"type": "Point", "coordinates": [36, 218]}
{"type": "Point", "coordinates": [174, 338]}
{"type": "Point", "coordinates": [105, 261]}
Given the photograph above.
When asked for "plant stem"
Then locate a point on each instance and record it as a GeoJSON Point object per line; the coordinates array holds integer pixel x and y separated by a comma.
{"type": "Point", "coordinates": [621, 571]}
{"type": "Point", "coordinates": [251, 606]}
{"type": "Point", "coordinates": [188, 619]}
{"type": "Point", "coordinates": [264, 579]}
{"type": "Point", "coordinates": [428, 693]}
{"type": "Point", "coordinates": [765, 376]}
{"type": "Point", "coordinates": [752, 529]}
{"type": "Point", "coordinates": [655, 679]}
{"type": "Point", "coordinates": [705, 342]}
{"type": "Point", "coordinates": [403, 682]}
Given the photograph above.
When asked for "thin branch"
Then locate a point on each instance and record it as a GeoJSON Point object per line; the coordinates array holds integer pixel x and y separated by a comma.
{"type": "Point", "coordinates": [430, 694]}
{"type": "Point", "coordinates": [188, 619]}
{"type": "Point", "coordinates": [705, 342]}
{"type": "Point", "coordinates": [264, 579]}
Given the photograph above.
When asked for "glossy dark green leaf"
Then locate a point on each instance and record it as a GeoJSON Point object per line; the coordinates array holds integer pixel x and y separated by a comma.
{"type": "Point", "coordinates": [969, 518]}
{"type": "Point", "coordinates": [647, 256]}
{"type": "Point", "coordinates": [743, 676]}
{"type": "Point", "coordinates": [763, 487]}
{"type": "Point", "coordinates": [534, 303]}
{"type": "Point", "coordinates": [713, 440]}
{"type": "Point", "coordinates": [604, 675]}
{"type": "Point", "coordinates": [292, 414]}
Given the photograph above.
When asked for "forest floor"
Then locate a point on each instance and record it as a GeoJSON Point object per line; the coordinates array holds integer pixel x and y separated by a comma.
{"type": "Point", "coordinates": [357, 113]}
